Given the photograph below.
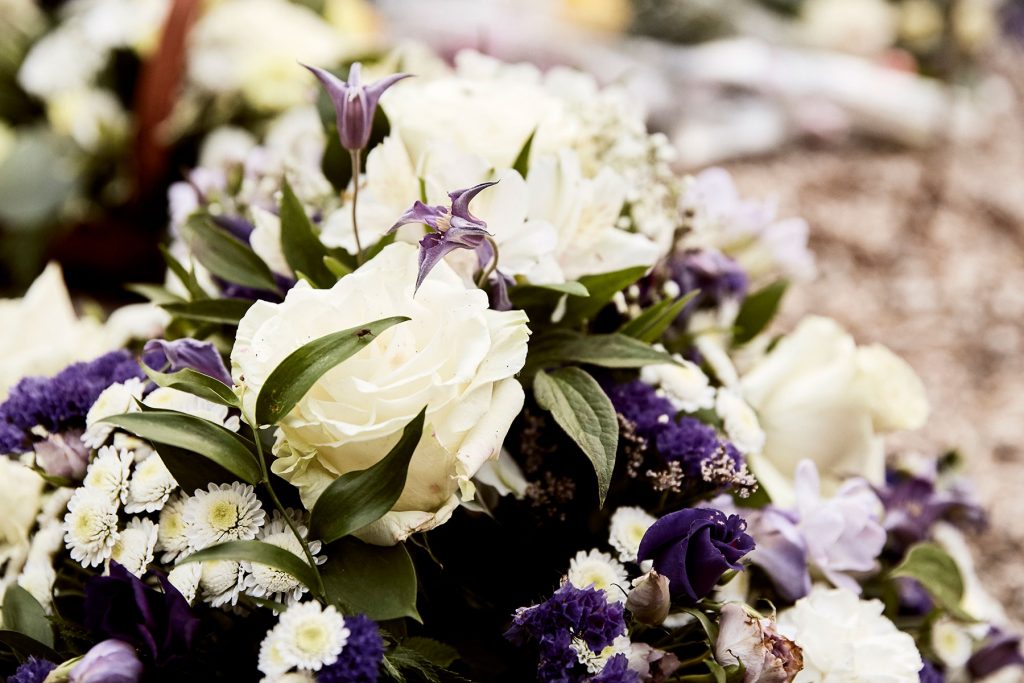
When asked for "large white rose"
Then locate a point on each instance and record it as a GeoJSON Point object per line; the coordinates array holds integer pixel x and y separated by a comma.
{"type": "Point", "coordinates": [846, 639]}
{"type": "Point", "coordinates": [819, 397]}
{"type": "Point", "coordinates": [454, 356]}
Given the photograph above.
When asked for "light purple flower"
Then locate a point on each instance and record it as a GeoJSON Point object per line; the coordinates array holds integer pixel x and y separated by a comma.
{"type": "Point", "coordinates": [186, 353]}
{"type": "Point", "coordinates": [63, 455]}
{"type": "Point", "coordinates": [354, 103]}
{"type": "Point", "coordinates": [767, 656]}
{"type": "Point", "coordinates": [112, 661]}
{"type": "Point", "coordinates": [843, 533]}
{"type": "Point", "coordinates": [781, 550]}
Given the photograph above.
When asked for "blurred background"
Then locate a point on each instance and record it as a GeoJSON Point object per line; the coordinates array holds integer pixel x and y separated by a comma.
{"type": "Point", "coordinates": [895, 127]}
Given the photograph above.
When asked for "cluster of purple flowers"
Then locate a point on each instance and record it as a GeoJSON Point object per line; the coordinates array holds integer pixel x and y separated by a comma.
{"type": "Point", "coordinates": [570, 614]}
{"type": "Point", "coordinates": [360, 660]}
{"type": "Point", "coordinates": [60, 402]}
{"type": "Point", "coordinates": [32, 671]}
{"type": "Point", "coordinates": [717, 277]}
{"type": "Point", "coordinates": [676, 439]}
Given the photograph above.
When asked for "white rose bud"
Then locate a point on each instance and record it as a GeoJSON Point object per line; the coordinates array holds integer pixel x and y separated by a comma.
{"type": "Point", "coordinates": [649, 601]}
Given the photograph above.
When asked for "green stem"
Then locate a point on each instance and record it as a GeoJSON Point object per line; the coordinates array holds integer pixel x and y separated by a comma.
{"type": "Point", "coordinates": [491, 267]}
{"type": "Point", "coordinates": [356, 170]}
{"type": "Point", "coordinates": [321, 591]}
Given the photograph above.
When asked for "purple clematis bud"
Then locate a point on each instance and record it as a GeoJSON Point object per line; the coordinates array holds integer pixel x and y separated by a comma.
{"type": "Point", "coordinates": [454, 228]}
{"type": "Point", "coordinates": [354, 103]}
{"type": "Point", "coordinates": [186, 353]}
{"type": "Point", "coordinates": [112, 661]}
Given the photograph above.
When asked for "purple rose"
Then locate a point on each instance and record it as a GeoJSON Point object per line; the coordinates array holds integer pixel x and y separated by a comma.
{"type": "Point", "coordinates": [694, 547]}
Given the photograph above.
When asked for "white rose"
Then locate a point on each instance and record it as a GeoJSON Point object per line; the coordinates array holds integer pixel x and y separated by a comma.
{"type": "Point", "coordinates": [46, 335]}
{"type": "Point", "coordinates": [806, 394]}
{"type": "Point", "coordinates": [895, 394]}
{"type": "Point", "coordinates": [454, 356]}
{"type": "Point", "coordinates": [21, 496]}
{"type": "Point", "coordinates": [847, 639]}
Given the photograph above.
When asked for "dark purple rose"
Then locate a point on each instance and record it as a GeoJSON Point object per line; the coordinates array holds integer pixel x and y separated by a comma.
{"type": "Point", "coordinates": [172, 356]}
{"type": "Point", "coordinates": [1000, 649]}
{"type": "Point", "coordinates": [159, 624]}
{"type": "Point", "coordinates": [354, 103]}
{"type": "Point", "coordinates": [693, 548]}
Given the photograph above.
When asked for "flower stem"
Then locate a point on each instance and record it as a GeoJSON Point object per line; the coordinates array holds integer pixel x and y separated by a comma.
{"type": "Point", "coordinates": [356, 170]}
{"type": "Point", "coordinates": [491, 267]}
{"type": "Point", "coordinates": [321, 591]}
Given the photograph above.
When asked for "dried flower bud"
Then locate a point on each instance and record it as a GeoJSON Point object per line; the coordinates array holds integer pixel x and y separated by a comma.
{"type": "Point", "coordinates": [649, 601]}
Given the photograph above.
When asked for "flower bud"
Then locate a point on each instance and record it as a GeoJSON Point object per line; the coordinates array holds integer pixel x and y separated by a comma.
{"type": "Point", "coordinates": [354, 103]}
{"type": "Point", "coordinates": [649, 601]}
{"type": "Point", "coordinates": [112, 661]}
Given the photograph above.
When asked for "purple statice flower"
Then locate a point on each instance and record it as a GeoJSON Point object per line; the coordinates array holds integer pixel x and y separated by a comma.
{"type": "Point", "coordinates": [930, 673]}
{"type": "Point", "coordinates": [913, 505]}
{"type": "Point", "coordinates": [454, 228]}
{"type": "Point", "coordinates": [616, 671]}
{"type": "Point", "coordinates": [32, 671]}
{"type": "Point", "coordinates": [112, 661]}
{"type": "Point", "coordinates": [160, 624]}
{"type": "Point", "coordinates": [999, 650]}
{"type": "Point", "coordinates": [60, 402]}
{"type": "Point", "coordinates": [694, 547]}
{"type": "Point", "coordinates": [715, 275]}
{"type": "Point", "coordinates": [570, 613]}
{"type": "Point", "coordinates": [360, 659]}
{"type": "Point", "coordinates": [354, 103]}
{"type": "Point", "coordinates": [172, 356]}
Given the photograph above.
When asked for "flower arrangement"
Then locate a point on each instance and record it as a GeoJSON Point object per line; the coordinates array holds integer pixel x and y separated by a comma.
{"type": "Point", "coordinates": [453, 379]}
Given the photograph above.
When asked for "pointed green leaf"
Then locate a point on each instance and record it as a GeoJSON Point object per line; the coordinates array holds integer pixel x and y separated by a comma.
{"type": "Point", "coordinates": [356, 499]}
{"type": "Point", "coordinates": [191, 433]}
{"type": "Point", "coordinates": [154, 293]}
{"type": "Point", "coordinates": [23, 613]}
{"type": "Point", "coordinates": [195, 383]}
{"type": "Point", "coordinates": [191, 470]}
{"type": "Point", "coordinates": [262, 553]}
{"type": "Point", "coordinates": [187, 277]}
{"type": "Point", "coordinates": [224, 311]}
{"type": "Point", "coordinates": [225, 256]}
{"type": "Point", "coordinates": [528, 296]}
{"type": "Point", "coordinates": [604, 350]}
{"type": "Point", "coordinates": [337, 268]}
{"type": "Point", "coordinates": [302, 248]}
{"type": "Point", "coordinates": [937, 572]}
{"type": "Point", "coordinates": [758, 310]}
{"type": "Point", "coordinates": [522, 162]}
{"type": "Point", "coordinates": [652, 323]}
{"type": "Point", "coordinates": [379, 581]}
{"type": "Point", "coordinates": [437, 653]}
{"type": "Point", "coordinates": [601, 288]}
{"type": "Point", "coordinates": [290, 380]}
{"type": "Point", "coordinates": [26, 646]}
{"type": "Point", "coordinates": [581, 408]}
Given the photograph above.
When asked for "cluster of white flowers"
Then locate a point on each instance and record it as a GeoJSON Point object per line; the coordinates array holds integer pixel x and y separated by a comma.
{"type": "Point", "coordinates": [307, 637]}
{"type": "Point", "coordinates": [599, 570]}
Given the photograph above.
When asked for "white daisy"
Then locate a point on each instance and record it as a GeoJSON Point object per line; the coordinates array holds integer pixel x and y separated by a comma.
{"type": "Point", "coordinates": [225, 512]}
{"type": "Point", "coordinates": [221, 581]}
{"type": "Point", "coordinates": [628, 526]}
{"type": "Point", "coordinates": [596, 661]}
{"type": "Point", "coordinates": [90, 526]}
{"type": "Point", "coordinates": [114, 400]}
{"type": "Point", "coordinates": [171, 538]}
{"type": "Point", "coordinates": [740, 421]}
{"type": "Point", "coordinates": [151, 485]}
{"type": "Point", "coordinates": [135, 545]}
{"type": "Point", "coordinates": [108, 473]}
{"type": "Point", "coordinates": [601, 571]}
{"type": "Point", "coordinates": [311, 637]}
{"type": "Point", "coordinates": [263, 581]}
{"type": "Point", "coordinates": [185, 577]}
{"type": "Point", "coordinates": [272, 662]}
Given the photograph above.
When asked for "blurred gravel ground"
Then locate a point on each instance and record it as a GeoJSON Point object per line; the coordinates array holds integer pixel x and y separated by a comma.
{"type": "Point", "coordinates": [924, 252]}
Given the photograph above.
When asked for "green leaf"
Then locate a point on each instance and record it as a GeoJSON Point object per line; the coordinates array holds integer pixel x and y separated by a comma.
{"type": "Point", "coordinates": [716, 670]}
{"type": "Point", "coordinates": [435, 652]}
{"type": "Point", "coordinates": [263, 553]}
{"type": "Point", "coordinates": [191, 433]}
{"type": "Point", "coordinates": [25, 645]}
{"type": "Point", "coordinates": [225, 256]}
{"type": "Point", "coordinates": [195, 383]}
{"type": "Point", "coordinates": [604, 350]}
{"type": "Point", "coordinates": [23, 613]}
{"type": "Point", "coordinates": [154, 293]}
{"type": "Point", "coordinates": [522, 162]}
{"type": "Point", "coordinates": [379, 581]}
{"type": "Point", "coordinates": [191, 470]}
{"type": "Point", "coordinates": [937, 572]}
{"type": "Point", "coordinates": [224, 311]}
{"type": "Point", "coordinates": [356, 499]}
{"type": "Point", "coordinates": [652, 323]}
{"type": "Point", "coordinates": [529, 296]}
{"type": "Point", "coordinates": [602, 288]}
{"type": "Point", "coordinates": [187, 277]}
{"type": "Point", "coordinates": [710, 628]}
{"type": "Point", "coordinates": [299, 241]}
{"type": "Point", "coordinates": [582, 409]}
{"type": "Point", "coordinates": [758, 310]}
{"type": "Point", "coordinates": [290, 380]}
{"type": "Point", "coordinates": [337, 268]}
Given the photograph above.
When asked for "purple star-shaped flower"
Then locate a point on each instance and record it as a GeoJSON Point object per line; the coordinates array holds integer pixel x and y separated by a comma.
{"type": "Point", "coordinates": [354, 103]}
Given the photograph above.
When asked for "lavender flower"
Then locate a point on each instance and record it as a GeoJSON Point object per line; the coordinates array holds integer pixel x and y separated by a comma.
{"type": "Point", "coordinates": [571, 613]}
{"type": "Point", "coordinates": [111, 661]}
{"type": "Point", "coordinates": [160, 624]}
{"type": "Point", "coordinates": [781, 550]}
{"type": "Point", "coordinates": [172, 356]}
{"type": "Point", "coordinates": [60, 403]}
{"type": "Point", "coordinates": [913, 505]}
{"type": "Point", "coordinates": [354, 103]}
{"type": "Point", "coordinates": [715, 275]}
{"type": "Point", "coordinates": [360, 660]}
{"type": "Point", "coordinates": [32, 671]}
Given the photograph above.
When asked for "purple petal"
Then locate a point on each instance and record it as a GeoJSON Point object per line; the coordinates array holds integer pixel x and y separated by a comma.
{"type": "Point", "coordinates": [187, 353]}
{"type": "Point", "coordinates": [462, 198]}
{"type": "Point", "coordinates": [420, 213]}
{"type": "Point", "coordinates": [354, 103]}
{"type": "Point", "coordinates": [377, 88]}
{"type": "Point", "coordinates": [500, 283]}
